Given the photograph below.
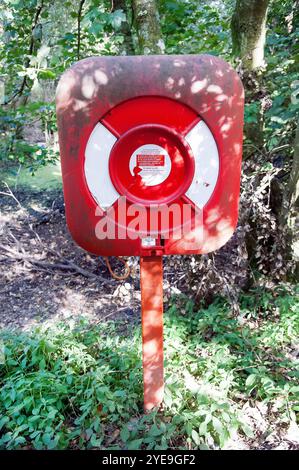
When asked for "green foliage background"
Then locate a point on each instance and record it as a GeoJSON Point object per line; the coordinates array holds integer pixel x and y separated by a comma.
{"type": "Point", "coordinates": [189, 27]}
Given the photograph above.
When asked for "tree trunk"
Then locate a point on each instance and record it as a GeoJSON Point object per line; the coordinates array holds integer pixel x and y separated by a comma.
{"type": "Point", "coordinates": [127, 48]}
{"type": "Point", "coordinates": [148, 27]}
{"type": "Point", "coordinates": [293, 188]}
{"type": "Point", "coordinates": [248, 28]}
{"type": "Point", "coordinates": [79, 19]}
{"type": "Point", "coordinates": [290, 209]}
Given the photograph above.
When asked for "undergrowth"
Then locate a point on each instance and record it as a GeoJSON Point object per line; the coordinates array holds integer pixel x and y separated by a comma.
{"type": "Point", "coordinates": [80, 385]}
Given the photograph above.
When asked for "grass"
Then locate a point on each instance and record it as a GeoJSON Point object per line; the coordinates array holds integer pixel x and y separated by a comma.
{"type": "Point", "coordinates": [45, 177]}
{"type": "Point", "coordinates": [81, 386]}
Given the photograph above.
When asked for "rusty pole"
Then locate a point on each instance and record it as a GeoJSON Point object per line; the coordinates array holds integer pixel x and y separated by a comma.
{"type": "Point", "coordinates": [151, 280]}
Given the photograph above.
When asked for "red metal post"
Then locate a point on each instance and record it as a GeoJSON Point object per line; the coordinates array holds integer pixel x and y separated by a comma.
{"type": "Point", "coordinates": [151, 279]}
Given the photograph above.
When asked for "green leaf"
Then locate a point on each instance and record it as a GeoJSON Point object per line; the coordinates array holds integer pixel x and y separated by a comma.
{"type": "Point", "coordinates": [3, 421]}
{"type": "Point", "coordinates": [195, 437]}
{"type": "Point", "coordinates": [96, 28]}
{"type": "Point", "coordinates": [247, 430]}
{"type": "Point", "coordinates": [46, 438]}
{"type": "Point", "coordinates": [96, 442]}
{"type": "Point", "coordinates": [46, 75]}
{"type": "Point", "coordinates": [203, 429]}
{"type": "Point", "coordinates": [218, 426]}
{"type": "Point", "coordinates": [135, 445]}
{"type": "Point", "coordinates": [155, 431]}
{"type": "Point", "coordinates": [117, 18]}
{"type": "Point", "coordinates": [250, 381]}
{"type": "Point", "coordinates": [125, 434]}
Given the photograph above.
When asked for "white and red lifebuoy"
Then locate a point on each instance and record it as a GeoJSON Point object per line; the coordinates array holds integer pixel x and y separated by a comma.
{"type": "Point", "coordinates": [203, 151]}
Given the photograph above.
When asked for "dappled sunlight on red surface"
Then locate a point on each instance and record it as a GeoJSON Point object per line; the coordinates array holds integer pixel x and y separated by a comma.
{"type": "Point", "coordinates": [209, 90]}
{"type": "Point", "coordinates": [152, 330]}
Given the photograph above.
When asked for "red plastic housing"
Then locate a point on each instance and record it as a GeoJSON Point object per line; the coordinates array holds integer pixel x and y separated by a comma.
{"type": "Point", "coordinates": [158, 102]}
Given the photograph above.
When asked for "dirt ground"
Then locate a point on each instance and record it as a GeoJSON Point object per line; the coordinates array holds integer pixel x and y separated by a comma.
{"type": "Point", "coordinates": [33, 227]}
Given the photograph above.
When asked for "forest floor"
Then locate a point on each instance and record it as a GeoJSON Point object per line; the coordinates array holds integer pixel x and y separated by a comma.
{"type": "Point", "coordinates": [33, 227]}
{"type": "Point", "coordinates": [36, 230]}
{"type": "Point", "coordinates": [35, 290]}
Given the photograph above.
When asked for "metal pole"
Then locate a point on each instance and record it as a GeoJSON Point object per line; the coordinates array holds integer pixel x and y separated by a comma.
{"type": "Point", "coordinates": [151, 279]}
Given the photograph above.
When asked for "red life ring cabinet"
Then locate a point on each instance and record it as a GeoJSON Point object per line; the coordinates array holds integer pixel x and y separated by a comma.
{"type": "Point", "coordinates": [155, 130]}
{"type": "Point", "coordinates": [141, 134]}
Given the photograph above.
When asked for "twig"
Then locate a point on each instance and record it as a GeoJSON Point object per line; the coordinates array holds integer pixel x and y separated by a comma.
{"type": "Point", "coordinates": [65, 266]}
{"type": "Point", "coordinates": [277, 149]}
{"type": "Point", "coordinates": [19, 92]}
{"type": "Point", "coordinates": [256, 148]}
{"type": "Point", "coordinates": [81, 4]}
{"type": "Point", "coordinates": [11, 194]}
{"type": "Point", "coordinates": [112, 313]}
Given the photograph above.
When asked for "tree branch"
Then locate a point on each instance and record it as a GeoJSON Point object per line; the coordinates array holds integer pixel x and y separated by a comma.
{"type": "Point", "coordinates": [64, 265]}
{"type": "Point", "coordinates": [81, 4]}
{"type": "Point", "coordinates": [19, 92]}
